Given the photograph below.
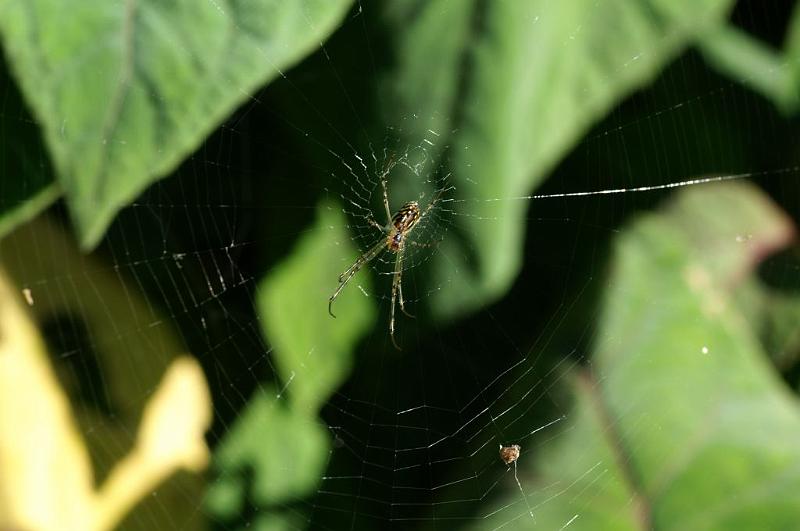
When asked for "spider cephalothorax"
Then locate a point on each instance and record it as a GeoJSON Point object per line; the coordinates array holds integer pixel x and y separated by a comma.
{"type": "Point", "coordinates": [394, 236]}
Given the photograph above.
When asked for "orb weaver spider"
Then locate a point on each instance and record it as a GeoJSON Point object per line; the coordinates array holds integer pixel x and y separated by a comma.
{"type": "Point", "coordinates": [393, 238]}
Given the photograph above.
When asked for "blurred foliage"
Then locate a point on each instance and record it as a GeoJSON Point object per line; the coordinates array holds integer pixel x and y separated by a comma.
{"type": "Point", "coordinates": [511, 88]}
{"type": "Point", "coordinates": [109, 370]}
{"type": "Point", "coordinates": [272, 456]}
{"type": "Point", "coordinates": [516, 85]}
{"type": "Point", "coordinates": [117, 116]}
{"type": "Point", "coordinates": [676, 361]}
{"type": "Point", "coordinates": [298, 326]}
{"type": "Point", "coordinates": [277, 450]}
{"type": "Point", "coordinates": [46, 477]}
{"type": "Point", "coordinates": [756, 64]}
{"type": "Point", "coordinates": [776, 314]}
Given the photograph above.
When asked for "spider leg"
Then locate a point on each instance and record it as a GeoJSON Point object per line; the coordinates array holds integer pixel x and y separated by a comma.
{"type": "Point", "coordinates": [398, 271]}
{"type": "Point", "coordinates": [396, 286]}
{"type": "Point", "coordinates": [435, 200]}
{"type": "Point", "coordinates": [389, 166]}
{"type": "Point", "coordinates": [345, 277]}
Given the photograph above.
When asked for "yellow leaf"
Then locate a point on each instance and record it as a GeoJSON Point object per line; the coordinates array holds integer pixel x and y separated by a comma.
{"type": "Point", "coordinates": [46, 480]}
{"type": "Point", "coordinates": [45, 473]}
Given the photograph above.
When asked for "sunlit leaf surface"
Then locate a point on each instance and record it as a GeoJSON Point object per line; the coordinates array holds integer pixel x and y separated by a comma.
{"type": "Point", "coordinates": [46, 477]}
{"type": "Point", "coordinates": [109, 381]}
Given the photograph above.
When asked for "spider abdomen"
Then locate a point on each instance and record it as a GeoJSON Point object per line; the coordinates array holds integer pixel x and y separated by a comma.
{"type": "Point", "coordinates": [405, 218]}
{"type": "Point", "coordinates": [402, 223]}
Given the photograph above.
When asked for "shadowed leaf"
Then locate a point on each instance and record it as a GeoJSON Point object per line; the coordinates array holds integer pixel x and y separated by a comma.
{"type": "Point", "coordinates": [511, 89]}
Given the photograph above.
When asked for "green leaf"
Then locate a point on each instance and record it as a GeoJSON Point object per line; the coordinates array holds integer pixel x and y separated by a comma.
{"type": "Point", "coordinates": [754, 64]}
{"type": "Point", "coordinates": [281, 451]}
{"type": "Point", "coordinates": [511, 89]}
{"type": "Point", "coordinates": [683, 423]}
{"type": "Point", "coordinates": [126, 90]}
{"type": "Point", "coordinates": [280, 445]}
{"type": "Point", "coordinates": [775, 74]}
{"type": "Point", "coordinates": [313, 351]}
{"type": "Point", "coordinates": [26, 179]}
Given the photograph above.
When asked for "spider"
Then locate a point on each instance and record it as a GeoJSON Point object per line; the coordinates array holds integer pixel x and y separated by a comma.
{"type": "Point", "coordinates": [510, 454]}
{"type": "Point", "coordinates": [393, 238]}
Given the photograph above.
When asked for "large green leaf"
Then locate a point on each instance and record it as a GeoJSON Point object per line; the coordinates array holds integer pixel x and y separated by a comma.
{"type": "Point", "coordinates": [511, 88]}
{"type": "Point", "coordinates": [279, 444]}
{"type": "Point", "coordinates": [683, 424]}
{"type": "Point", "coordinates": [125, 90]}
{"type": "Point", "coordinates": [312, 350]}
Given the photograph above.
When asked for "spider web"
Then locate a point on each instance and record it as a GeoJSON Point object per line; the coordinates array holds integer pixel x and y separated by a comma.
{"type": "Point", "coordinates": [415, 434]}
{"type": "Point", "coordinates": [412, 170]}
